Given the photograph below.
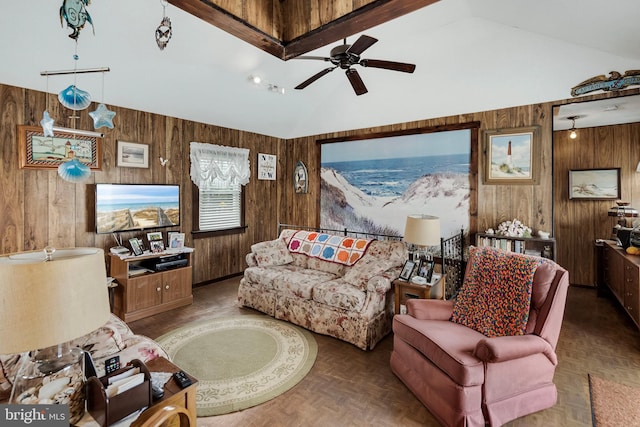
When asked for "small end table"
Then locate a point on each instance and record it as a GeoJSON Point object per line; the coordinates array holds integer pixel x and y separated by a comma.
{"type": "Point", "coordinates": [405, 290]}
{"type": "Point", "coordinates": [173, 394]}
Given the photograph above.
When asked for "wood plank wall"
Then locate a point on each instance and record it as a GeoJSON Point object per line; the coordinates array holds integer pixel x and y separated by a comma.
{"type": "Point", "coordinates": [580, 222]}
{"type": "Point", "coordinates": [496, 203]}
{"type": "Point", "coordinates": [40, 209]}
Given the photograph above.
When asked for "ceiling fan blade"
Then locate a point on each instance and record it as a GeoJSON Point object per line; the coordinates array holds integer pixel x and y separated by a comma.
{"type": "Point", "coordinates": [314, 78]}
{"type": "Point", "coordinates": [363, 43]}
{"type": "Point", "coordinates": [356, 81]}
{"type": "Point", "coordinates": [388, 65]}
{"type": "Point", "coordinates": [319, 58]}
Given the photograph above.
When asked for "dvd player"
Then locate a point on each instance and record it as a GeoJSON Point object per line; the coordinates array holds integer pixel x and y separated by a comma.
{"type": "Point", "coordinates": [166, 262]}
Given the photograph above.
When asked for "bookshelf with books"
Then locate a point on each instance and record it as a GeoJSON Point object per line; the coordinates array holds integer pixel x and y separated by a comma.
{"type": "Point", "coordinates": [525, 245]}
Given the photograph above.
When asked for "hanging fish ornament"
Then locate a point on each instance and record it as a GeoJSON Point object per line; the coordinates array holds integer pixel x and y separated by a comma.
{"type": "Point", "coordinates": [74, 13]}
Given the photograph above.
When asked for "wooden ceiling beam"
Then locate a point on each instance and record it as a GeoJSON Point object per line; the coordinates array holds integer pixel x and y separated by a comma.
{"type": "Point", "coordinates": [361, 19]}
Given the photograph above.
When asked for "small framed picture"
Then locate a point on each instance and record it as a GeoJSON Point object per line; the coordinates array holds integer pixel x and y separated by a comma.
{"type": "Point", "coordinates": [157, 235]}
{"type": "Point", "coordinates": [157, 246]}
{"type": "Point", "coordinates": [407, 269]}
{"type": "Point", "coordinates": [426, 269]}
{"type": "Point", "coordinates": [136, 247]}
{"type": "Point", "coordinates": [594, 184]}
{"type": "Point", "coordinates": [176, 240]}
{"type": "Point", "coordinates": [132, 155]}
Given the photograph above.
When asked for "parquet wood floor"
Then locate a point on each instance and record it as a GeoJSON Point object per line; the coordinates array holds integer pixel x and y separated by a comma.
{"type": "Point", "coordinates": [350, 387]}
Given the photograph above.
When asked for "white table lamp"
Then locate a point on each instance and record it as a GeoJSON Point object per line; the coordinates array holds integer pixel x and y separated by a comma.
{"type": "Point", "coordinates": [422, 231]}
{"type": "Point", "coordinates": [46, 300]}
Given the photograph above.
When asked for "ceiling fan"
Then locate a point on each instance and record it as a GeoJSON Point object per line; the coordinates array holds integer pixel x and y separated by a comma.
{"type": "Point", "coordinates": [347, 55]}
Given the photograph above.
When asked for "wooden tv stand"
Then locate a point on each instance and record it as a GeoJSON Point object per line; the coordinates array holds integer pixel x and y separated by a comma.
{"type": "Point", "coordinates": [149, 293]}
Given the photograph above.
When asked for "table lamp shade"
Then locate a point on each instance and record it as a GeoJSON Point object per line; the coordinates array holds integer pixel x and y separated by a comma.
{"type": "Point", "coordinates": [45, 303]}
{"type": "Point", "coordinates": [422, 230]}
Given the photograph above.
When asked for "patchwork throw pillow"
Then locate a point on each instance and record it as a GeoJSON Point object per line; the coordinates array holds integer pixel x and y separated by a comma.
{"type": "Point", "coordinates": [272, 252]}
{"type": "Point", "coordinates": [496, 295]}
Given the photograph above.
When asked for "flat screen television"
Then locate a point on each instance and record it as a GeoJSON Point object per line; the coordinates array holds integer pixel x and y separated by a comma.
{"type": "Point", "coordinates": [127, 207]}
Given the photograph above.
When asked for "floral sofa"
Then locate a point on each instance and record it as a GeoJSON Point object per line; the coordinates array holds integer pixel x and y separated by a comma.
{"type": "Point", "coordinates": [114, 338]}
{"type": "Point", "coordinates": [332, 285]}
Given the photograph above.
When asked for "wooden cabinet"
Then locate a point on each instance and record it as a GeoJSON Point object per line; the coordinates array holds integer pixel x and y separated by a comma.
{"type": "Point", "coordinates": [526, 245]}
{"type": "Point", "coordinates": [622, 276]}
{"type": "Point", "coordinates": [151, 292]}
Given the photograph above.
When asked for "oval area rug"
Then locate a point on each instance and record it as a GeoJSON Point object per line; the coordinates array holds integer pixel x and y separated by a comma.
{"type": "Point", "coordinates": [240, 361]}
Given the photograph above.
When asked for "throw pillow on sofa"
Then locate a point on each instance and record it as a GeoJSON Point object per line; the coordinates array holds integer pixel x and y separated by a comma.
{"type": "Point", "coordinates": [365, 269]}
{"type": "Point", "coordinates": [271, 253]}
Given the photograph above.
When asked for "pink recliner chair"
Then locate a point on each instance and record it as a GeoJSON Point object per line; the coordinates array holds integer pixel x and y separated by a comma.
{"type": "Point", "coordinates": [489, 357]}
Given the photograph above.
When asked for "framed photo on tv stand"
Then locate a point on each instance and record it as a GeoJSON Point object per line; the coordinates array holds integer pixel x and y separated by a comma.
{"type": "Point", "coordinates": [136, 247]}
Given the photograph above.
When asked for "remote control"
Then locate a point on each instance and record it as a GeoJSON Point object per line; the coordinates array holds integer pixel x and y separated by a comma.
{"type": "Point", "coordinates": [182, 379]}
{"type": "Point", "coordinates": [156, 391]}
{"type": "Point", "coordinates": [112, 364]}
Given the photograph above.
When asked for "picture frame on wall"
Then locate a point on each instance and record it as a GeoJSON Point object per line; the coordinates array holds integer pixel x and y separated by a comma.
{"type": "Point", "coordinates": [132, 155]}
{"type": "Point", "coordinates": [512, 156]}
{"type": "Point", "coordinates": [38, 151]}
{"type": "Point", "coordinates": [595, 184]}
{"type": "Point", "coordinates": [267, 164]}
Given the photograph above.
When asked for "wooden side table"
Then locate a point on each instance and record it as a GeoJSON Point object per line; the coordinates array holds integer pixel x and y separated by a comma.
{"type": "Point", "coordinates": [405, 290]}
{"type": "Point", "coordinates": [173, 394]}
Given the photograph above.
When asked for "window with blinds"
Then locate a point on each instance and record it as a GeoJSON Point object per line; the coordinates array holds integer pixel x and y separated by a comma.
{"type": "Point", "coordinates": [221, 207]}
{"type": "Point", "coordinates": [219, 173]}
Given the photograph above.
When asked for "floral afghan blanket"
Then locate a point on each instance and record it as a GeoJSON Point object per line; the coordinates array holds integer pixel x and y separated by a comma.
{"type": "Point", "coordinates": [495, 298]}
{"type": "Point", "coordinates": [328, 247]}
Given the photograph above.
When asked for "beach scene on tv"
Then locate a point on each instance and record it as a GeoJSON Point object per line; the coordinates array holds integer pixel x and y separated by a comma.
{"type": "Point", "coordinates": [133, 207]}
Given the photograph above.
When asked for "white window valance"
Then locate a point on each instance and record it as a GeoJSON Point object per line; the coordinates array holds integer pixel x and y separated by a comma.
{"type": "Point", "coordinates": [211, 162]}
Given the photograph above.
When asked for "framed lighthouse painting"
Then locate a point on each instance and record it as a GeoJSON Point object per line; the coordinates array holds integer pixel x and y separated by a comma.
{"type": "Point", "coordinates": [512, 156]}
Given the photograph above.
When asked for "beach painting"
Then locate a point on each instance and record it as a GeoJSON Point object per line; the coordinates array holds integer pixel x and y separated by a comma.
{"type": "Point", "coordinates": [594, 184]}
{"type": "Point", "coordinates": [511, 155]}
{"type": "Point", "coordinates": [372, 185]}
{"type": "Point", "coordinates": [136, 207]}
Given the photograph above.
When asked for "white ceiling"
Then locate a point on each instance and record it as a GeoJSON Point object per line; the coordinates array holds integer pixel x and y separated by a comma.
{"type": "Point", "coordinates": [471, 55]}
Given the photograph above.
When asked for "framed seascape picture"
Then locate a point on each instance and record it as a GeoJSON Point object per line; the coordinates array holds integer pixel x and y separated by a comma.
{"type": "Point", "coordinates": [372, 182]}
{"type": "Point", "coordinates": [512, 156]}
{"type": "Point", "coordinates": [132, 155]}
{"type": "Point", "coordinates": [594, 184]}
{"type": "Point", "coordinates": [38, 151]}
